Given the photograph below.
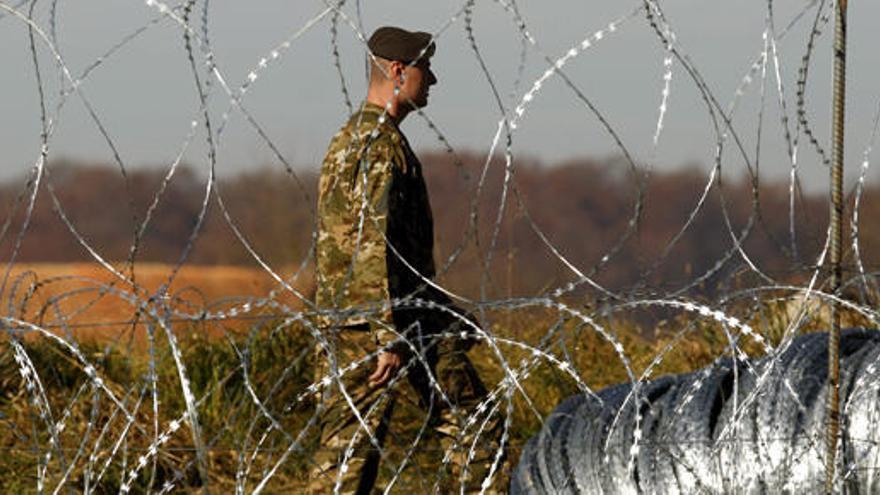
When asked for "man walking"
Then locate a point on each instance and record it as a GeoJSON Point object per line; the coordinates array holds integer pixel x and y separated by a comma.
{"type": "Point", "coordinates": [374, 264]}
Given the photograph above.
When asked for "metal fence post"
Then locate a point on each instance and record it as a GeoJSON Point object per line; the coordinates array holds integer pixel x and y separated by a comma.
{"type": "Point", "coordinates": [837, 142]}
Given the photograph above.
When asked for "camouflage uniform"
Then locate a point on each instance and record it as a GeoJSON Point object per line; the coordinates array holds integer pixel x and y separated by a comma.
{"type": "Point", "coordinates": [371, 189]}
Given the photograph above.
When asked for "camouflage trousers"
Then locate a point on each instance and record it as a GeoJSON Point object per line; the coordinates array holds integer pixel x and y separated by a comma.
{"type": "Point", "coordinates": [405, 433]}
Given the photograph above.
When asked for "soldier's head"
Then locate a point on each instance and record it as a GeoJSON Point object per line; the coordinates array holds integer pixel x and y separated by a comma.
{"type": "Point", "coordinates": [401, 71]}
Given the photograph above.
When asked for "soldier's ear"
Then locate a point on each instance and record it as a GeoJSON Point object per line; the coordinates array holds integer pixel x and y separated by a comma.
{"type": "Point", "coordinates": [396, 71]}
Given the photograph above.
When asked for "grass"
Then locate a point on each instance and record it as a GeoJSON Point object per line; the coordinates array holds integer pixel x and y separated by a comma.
{"type": "Point", "coordinates": [277, 361]}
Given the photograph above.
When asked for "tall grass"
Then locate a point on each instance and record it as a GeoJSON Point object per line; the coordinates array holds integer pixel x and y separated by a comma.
{"type": "Point", "coordinates": [276, 363]}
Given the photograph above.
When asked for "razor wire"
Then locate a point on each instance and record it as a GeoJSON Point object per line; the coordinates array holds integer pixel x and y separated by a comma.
{"type": "Point", "coordinates": [147, 433]}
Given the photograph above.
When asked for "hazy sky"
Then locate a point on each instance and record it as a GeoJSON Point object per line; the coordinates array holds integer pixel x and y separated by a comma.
{"type": "Point", "coordinates": [145, 97]}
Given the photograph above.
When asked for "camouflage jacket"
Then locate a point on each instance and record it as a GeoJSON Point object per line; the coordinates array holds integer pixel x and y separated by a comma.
{"type": "Point", "coordinates": [373, 210]}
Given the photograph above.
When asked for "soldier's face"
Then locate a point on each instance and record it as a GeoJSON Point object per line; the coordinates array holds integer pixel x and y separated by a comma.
{"type": "Point", "coordinates": [417, 79]}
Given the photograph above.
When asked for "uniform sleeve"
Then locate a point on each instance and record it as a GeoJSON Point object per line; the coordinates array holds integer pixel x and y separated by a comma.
{"type": "Point", "coordinates": [370, 197]}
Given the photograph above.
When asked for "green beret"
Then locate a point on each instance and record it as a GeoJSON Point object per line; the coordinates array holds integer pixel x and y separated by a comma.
{"type": "Point", "coordinates": [394, 43]}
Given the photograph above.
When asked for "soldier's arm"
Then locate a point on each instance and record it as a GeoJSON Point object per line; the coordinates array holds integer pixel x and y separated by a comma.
{"type": "Point", "coordinates": [370, 197]}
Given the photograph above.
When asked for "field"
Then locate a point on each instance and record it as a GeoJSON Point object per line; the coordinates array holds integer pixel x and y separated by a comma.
{"type": "Point", "coordinates": [230, 361]}
{"type": "Point", "coordinates": [96, 305]}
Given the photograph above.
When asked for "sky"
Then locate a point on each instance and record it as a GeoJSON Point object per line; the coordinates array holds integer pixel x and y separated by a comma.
{"type": "Point", "coordinates": [145, 97]}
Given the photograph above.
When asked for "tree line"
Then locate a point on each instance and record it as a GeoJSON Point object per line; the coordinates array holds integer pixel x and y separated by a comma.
{"type": "Point", "coordinates": [622, 227]}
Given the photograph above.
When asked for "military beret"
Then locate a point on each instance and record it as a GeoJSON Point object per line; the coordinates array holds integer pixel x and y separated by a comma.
{"type": "Point", "coordinates": [394, 43]}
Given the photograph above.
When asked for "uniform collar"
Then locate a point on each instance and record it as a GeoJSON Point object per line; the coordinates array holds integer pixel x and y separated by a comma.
{"type": "Point", "coordinates": [370, 107]}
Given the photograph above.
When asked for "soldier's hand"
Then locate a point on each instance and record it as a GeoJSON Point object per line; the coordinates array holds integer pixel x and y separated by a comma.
{"type": "Point", "coordinates": [386, 367]}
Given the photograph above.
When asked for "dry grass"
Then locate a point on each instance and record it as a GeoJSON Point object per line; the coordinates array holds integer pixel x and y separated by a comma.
{"type": "Point", "coordinates": [280, 368]}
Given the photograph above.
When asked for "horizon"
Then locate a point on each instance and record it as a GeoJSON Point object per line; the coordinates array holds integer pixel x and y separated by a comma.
{"type": "Point", "coordinates": [532, 162]}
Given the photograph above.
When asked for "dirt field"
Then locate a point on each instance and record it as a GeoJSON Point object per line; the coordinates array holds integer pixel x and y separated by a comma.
{"type": "Point", "coordinates": [89, 301]}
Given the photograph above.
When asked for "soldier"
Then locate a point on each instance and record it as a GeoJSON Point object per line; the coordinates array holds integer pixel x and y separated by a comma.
{"type": "Point", "coordinates": [374, 263]}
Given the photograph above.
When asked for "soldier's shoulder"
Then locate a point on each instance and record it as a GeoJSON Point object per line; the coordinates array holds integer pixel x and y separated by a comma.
{"type": "Point", "coordinates": [367, 133]}
{"type": "Point", "coordinates": [370, 125]}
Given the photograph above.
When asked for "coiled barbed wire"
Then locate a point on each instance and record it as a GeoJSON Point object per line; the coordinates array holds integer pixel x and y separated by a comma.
{"type": "Point", "coordinates": [149, 432]}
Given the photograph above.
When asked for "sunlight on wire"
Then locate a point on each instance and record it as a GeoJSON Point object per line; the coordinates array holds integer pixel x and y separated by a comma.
{"type": "Point", "coordinates": [223, 395]}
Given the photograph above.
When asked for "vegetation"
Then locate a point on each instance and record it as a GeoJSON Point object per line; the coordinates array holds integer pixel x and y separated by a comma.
{"type": "Point", "coordinates": [277, 360]}
{"type": "Point", "coordinates": [582, 207]}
